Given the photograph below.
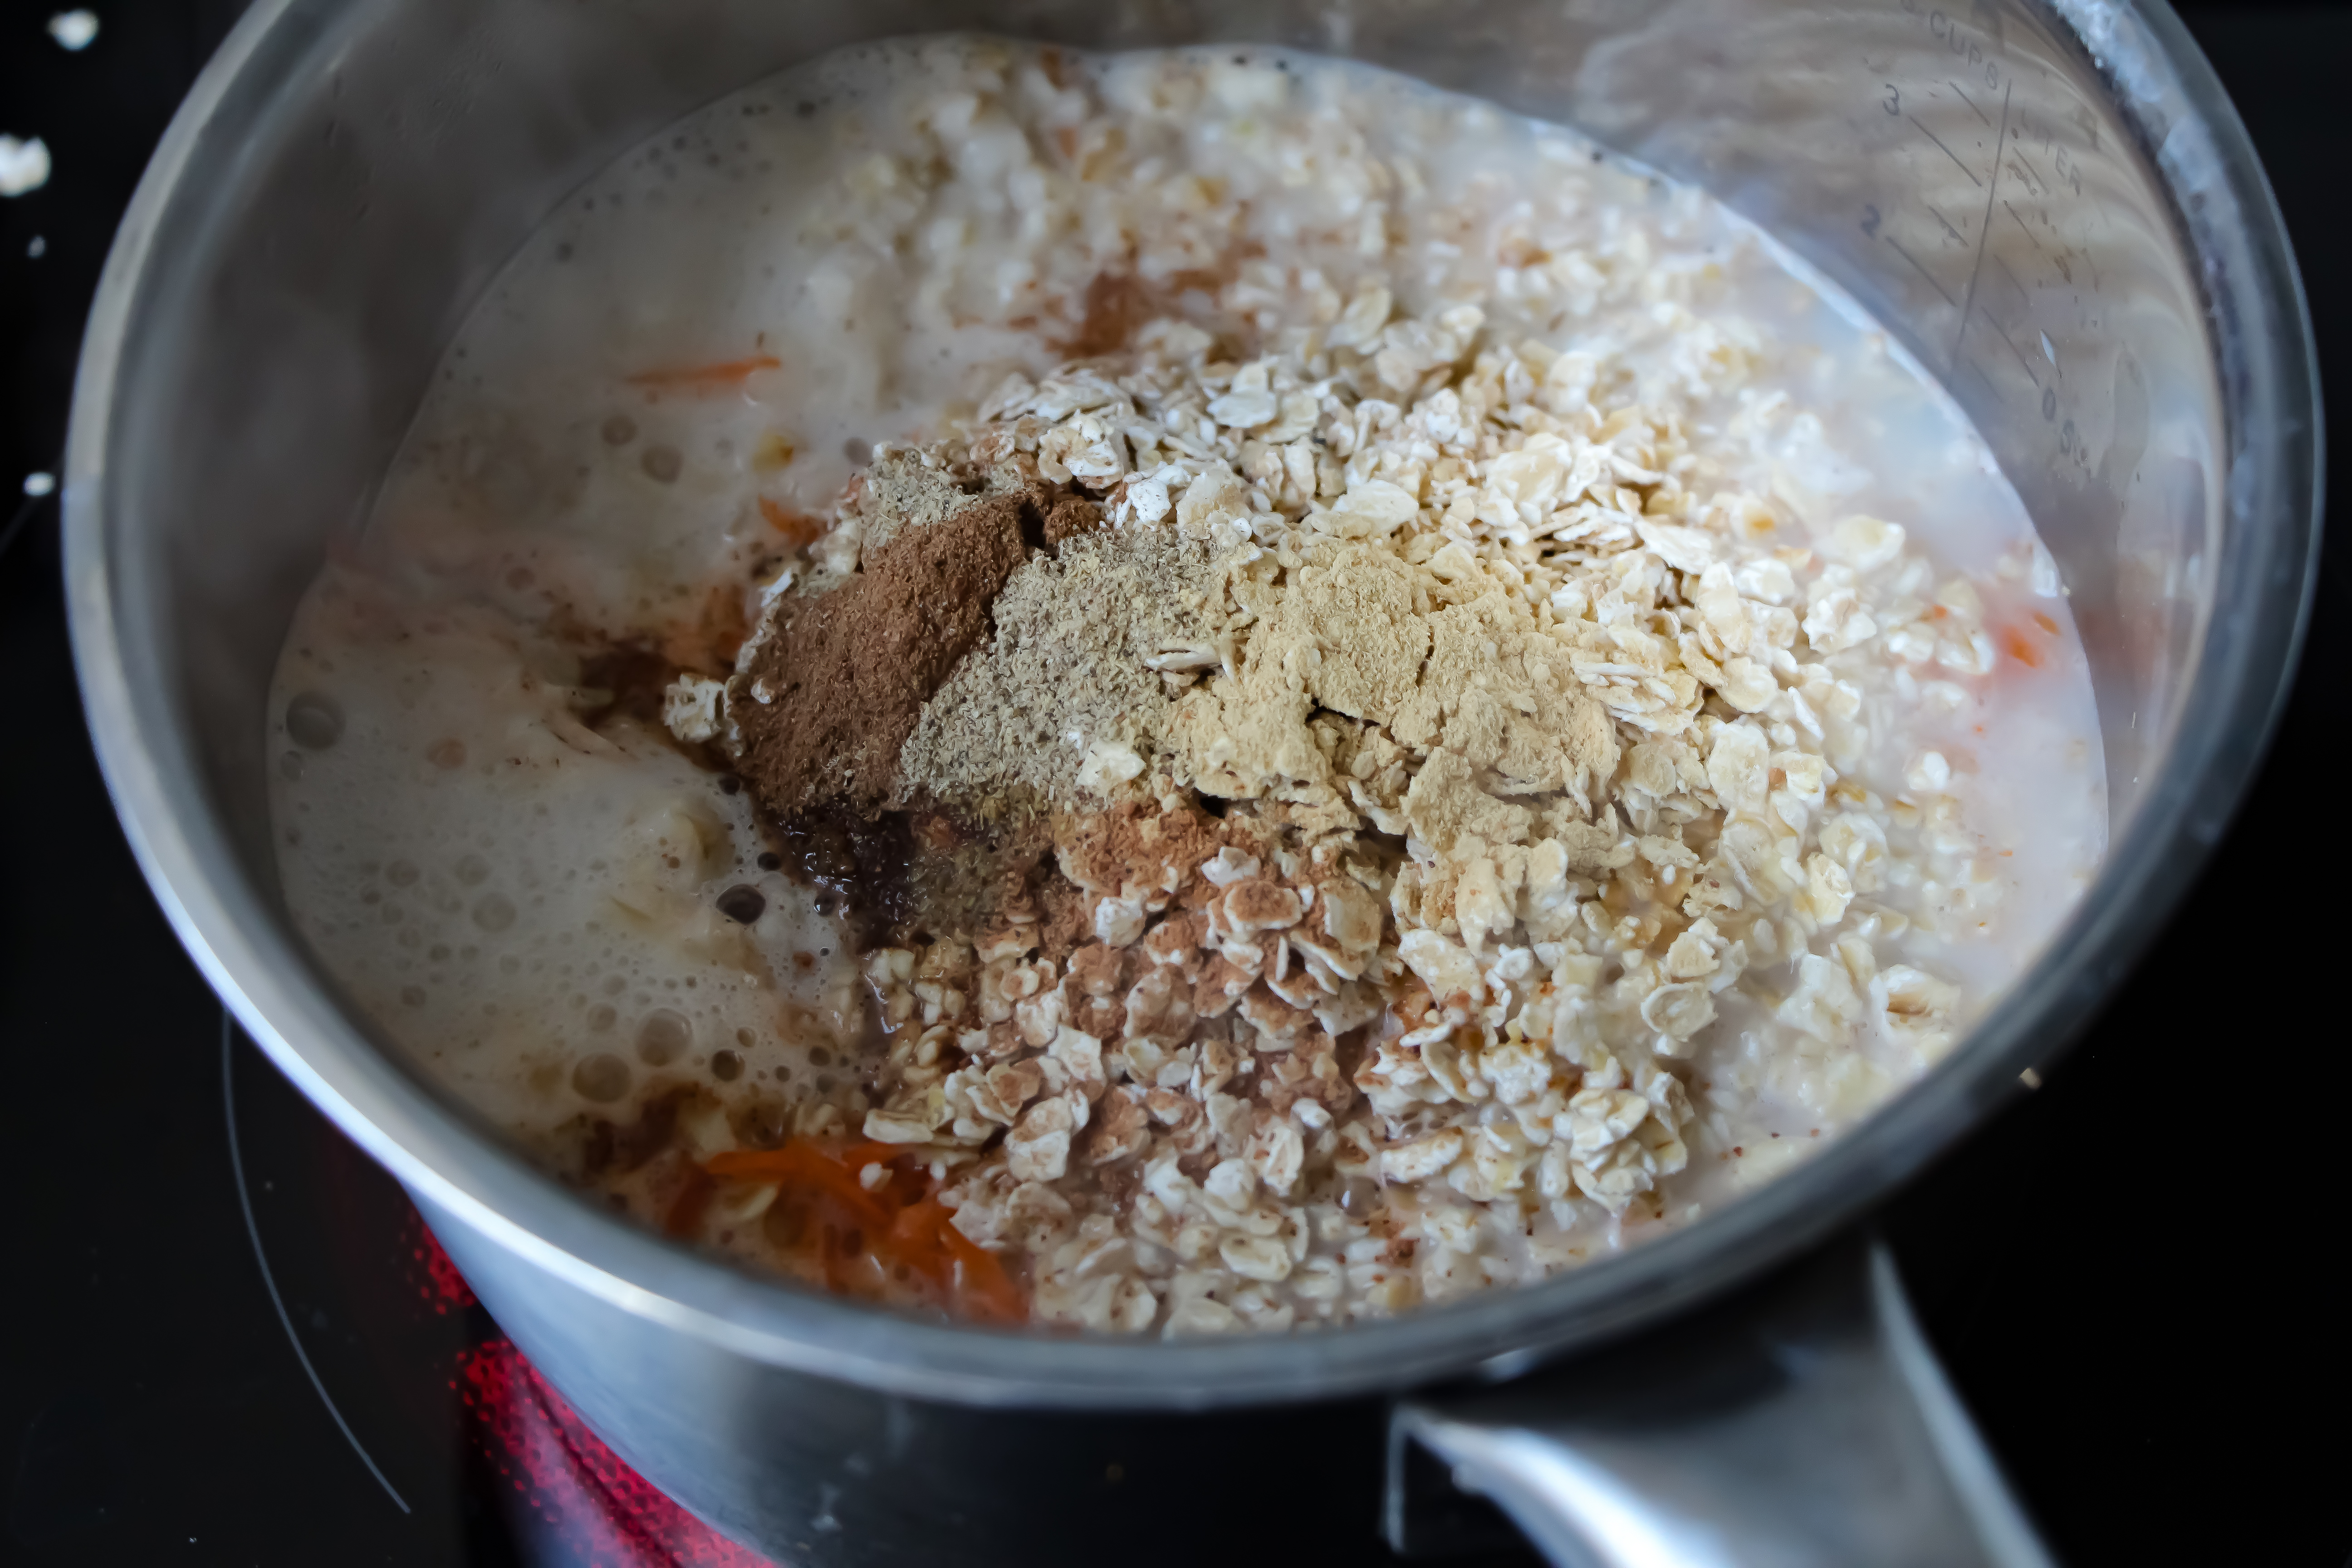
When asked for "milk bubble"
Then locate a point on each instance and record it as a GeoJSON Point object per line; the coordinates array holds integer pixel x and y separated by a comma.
{"type": "Point", "coordinates": [663, 1037]}
{"type": "Point", "coordinates": [314, 721]}
{"type": "Point", "coordinates": [742, 903]}
{"type": "Point", "coordinates": [602, 1078]}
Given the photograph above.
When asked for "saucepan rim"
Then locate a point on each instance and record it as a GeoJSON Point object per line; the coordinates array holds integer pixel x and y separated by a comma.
{"type": "Point", "coordinates": [2260, 330]}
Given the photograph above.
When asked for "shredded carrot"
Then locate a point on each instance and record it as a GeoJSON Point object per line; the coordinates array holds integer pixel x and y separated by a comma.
{"type": "Point", "coordinates": [800, 1164]}
{"type": "Point", "coordinates": [927, 1240]}
{"type": "Point", "coordinates": [2014, 643]}
{"type": "Point", "coordinates": [726, 372]}
{"type": "Point", "coordinates": [901, 1220]}
{"type": "Point", "coordinates": [750, 1164]}
{"type": "Point", "coordinates": [792, 1158]}
{"type": "Point", "coordinates": [918, 1223]}
{"type": "Point", "coordinates": [797, 527]}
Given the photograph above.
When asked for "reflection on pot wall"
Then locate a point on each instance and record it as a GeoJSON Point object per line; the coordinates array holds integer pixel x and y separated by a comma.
{"type": "Point", "coordinates": [1953, 167]}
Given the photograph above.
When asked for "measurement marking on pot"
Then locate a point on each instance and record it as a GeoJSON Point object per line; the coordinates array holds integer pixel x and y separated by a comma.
{"type": "Point", "coordinates": [2022, 363]}
{"type": "Point", "coordinates": [1955, 157]}
{"type": "Point", "coordinates": [1970, 102]}
{"type": "Point", "coordinates": [1970, 364]}
{"type": "Point", "coordinates": [2008, 272]}
{"type": "Point", "coordinates": [1984, 225]}
{"type": "Point", "coordinates": [2019, 218]}
{"type": "Point", "coordinates": [2031, 177]}
{"type": "Point", "coordinates": [1923, 272]}
{"type": "Point", "coordinates": [253, 1234]}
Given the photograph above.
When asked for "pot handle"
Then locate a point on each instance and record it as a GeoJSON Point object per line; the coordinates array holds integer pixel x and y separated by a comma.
{"type": "Point", "coordinates": [1803, 1423]}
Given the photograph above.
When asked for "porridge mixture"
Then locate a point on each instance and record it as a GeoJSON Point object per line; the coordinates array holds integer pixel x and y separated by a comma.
{"type": "Point", "coordinates": [1174, 692]}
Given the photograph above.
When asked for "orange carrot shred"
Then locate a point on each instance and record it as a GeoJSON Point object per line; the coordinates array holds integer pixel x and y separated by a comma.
{"type": "Point", "coordinates": [901, 1220]}
{"type": "Point", "coordinates": [726, 372]}
{"type": "Point", "coordinates": [797, 527]}
{"type": "Point", "coordinates": [800, 1164]}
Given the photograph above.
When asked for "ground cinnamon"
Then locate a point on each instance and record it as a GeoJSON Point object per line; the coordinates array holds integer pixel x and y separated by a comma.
{"type": "Point", "coordinates": [835, 688]}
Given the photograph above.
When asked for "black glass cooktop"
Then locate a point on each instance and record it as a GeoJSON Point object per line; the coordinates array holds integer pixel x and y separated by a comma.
{"type": "Point", "coordinates": [227, 1339]}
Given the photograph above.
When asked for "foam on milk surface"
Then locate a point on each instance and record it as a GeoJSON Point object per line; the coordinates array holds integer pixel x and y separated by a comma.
{"type": "Point", "coordinates": [513, 896]}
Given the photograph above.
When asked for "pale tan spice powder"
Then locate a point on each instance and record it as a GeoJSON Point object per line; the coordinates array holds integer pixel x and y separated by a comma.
{"type": "Point", "coordinates": [1005, 735]}
{"type": "Point", "coordinates": [1349, 629]}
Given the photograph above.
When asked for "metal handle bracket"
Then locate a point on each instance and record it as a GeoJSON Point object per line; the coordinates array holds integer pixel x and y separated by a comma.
{"type": "Point", "coordinates": [1806, 1423]}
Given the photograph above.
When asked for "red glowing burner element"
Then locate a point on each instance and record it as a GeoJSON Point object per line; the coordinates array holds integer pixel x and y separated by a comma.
{"type": "Point", "coordinates": [574, 1498]}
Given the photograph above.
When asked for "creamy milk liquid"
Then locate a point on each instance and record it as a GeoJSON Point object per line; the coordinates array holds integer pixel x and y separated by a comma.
{"type": "Point", "coordinates": [518, 882]}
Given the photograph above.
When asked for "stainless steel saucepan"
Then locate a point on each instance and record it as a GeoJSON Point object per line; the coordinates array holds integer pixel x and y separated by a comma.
{"type": "Point", "coordinates": [2050, 201]}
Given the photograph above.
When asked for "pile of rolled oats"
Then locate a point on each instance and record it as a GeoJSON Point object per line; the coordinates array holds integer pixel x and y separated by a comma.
{"type": "Point", "coordinates": [1527, 749]}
